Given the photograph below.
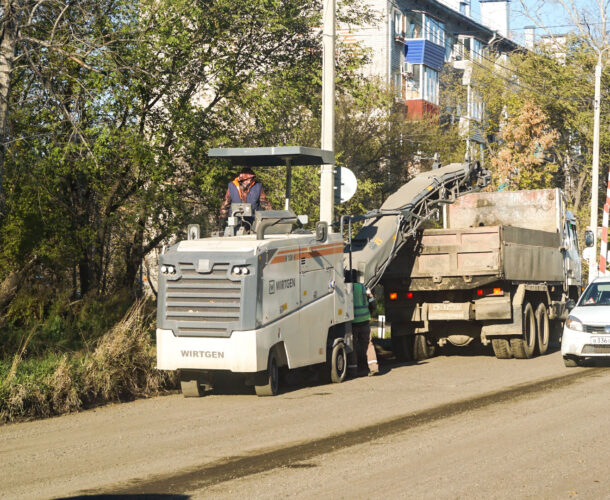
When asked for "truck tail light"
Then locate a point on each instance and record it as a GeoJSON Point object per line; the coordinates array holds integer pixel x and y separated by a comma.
{"type": "Point", "coordinates": [488, 292]}
{"type": "Point", "coordinates": [393, 295]}
{"type": "Point", "coordinates": [409, 295]}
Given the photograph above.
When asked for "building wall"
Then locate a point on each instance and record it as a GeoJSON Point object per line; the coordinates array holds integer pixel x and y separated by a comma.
{"type": "Point", "coordinates": [496, 15]}
{"type": "Point", "coordinates": [374, 38]}
{"type": "Point", "coordinates": [428, 35]}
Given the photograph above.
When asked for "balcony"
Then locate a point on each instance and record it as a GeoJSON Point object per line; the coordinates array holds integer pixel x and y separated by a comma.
{"type": "Point", "coordinates": [425, 52]}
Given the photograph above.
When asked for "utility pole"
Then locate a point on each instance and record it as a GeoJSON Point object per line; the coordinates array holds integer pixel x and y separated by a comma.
{"type": "Point", "coordinates": [466, 78]}
{"type": "Point", "coordinates": [595, 170]}
{"type": "Point", "coordinates": [327, 194]}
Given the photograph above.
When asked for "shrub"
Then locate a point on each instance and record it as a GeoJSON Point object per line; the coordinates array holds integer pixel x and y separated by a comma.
{"type": "Point", "coordinates": [120, 367]}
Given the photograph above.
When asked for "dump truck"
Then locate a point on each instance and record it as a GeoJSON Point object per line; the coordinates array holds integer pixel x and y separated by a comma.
{"type": "Point", "coordinates": [244, 304]}
{"type": "Point", "coordinates": [501, 270]}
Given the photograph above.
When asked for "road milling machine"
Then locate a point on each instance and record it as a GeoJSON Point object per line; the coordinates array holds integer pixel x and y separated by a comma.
{"type": "Point", "coordinates": [274, 296]}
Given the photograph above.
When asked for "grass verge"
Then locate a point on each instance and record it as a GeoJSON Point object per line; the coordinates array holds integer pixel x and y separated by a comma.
{"type": "Point", "coordinates": [120, 367]}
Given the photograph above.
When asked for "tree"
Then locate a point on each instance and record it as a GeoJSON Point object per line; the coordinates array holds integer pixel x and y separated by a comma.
{"type": "Point", "coordinates": [520, 161]}
{"type": "Point", "coordinates": [118, 101]}
{"type": "Point", "coordinates": [561, 88]}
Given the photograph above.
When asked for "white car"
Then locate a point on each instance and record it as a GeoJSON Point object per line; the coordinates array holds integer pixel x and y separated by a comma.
{"type": "Point", "coordinates": [587, 330]}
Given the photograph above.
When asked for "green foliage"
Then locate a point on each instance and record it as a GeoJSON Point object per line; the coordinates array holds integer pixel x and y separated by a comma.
{"type": "Point", "coordinates": [562, 89]}
{"type": "Point", "coordinates": [120, 366]}
{"type": "Point", "coordinates": [56, 323]}
{"type": "Point", "coordinates": [108, 133]}
{"type": "Point", "coordinates": [113, 141]}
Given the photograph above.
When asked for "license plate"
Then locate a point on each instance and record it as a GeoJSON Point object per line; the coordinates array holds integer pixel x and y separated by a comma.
{"type": "Point", "coordinates": [601, 340]}
{"type": "Point", "coordinates": [447, 307]}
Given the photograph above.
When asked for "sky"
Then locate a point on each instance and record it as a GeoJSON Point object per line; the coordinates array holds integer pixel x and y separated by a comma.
{"type": "Point", "coordinates": [551, 13]}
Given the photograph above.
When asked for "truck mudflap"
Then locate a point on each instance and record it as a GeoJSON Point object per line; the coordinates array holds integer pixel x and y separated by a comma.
{"type": "Point", "coordinates": [515, 326]}
{"type": "Point", "coordinates": [508, 328]}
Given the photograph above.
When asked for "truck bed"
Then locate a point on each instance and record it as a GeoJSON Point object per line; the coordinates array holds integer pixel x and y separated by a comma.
{"type": "Point", "coordinates": [446, 259]}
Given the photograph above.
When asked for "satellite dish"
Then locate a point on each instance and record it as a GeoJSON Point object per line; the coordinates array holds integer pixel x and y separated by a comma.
{"type": "Point", "coordinates": [345, 184]}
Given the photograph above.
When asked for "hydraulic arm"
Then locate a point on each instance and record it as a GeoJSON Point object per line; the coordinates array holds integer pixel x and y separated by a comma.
{"type": "Point", "coordinates": [387, 229]}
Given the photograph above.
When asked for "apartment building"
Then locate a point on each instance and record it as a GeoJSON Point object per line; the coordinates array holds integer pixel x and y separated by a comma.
{"type": "Point", "coordinates": [417, 38]}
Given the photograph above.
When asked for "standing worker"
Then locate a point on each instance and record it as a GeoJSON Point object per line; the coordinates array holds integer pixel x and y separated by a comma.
{"type": "Point", "coordinates": [245, 189]}
{"type": "Point", "coordinates": [364, 302]}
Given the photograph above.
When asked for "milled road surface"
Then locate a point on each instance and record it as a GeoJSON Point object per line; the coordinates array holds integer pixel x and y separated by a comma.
{"type": "Point", "coordinates": [450, 427]}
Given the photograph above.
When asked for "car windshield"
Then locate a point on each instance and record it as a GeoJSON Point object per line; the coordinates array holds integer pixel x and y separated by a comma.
{"type": "Point", "coordinates": [597, 294]}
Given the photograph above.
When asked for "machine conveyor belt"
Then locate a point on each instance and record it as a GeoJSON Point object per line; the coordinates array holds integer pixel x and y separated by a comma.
{"type": "Point", "coordinates": [386, 230]}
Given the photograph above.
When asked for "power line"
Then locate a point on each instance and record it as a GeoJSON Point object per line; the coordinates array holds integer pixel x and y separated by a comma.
{"type": "Point", "coordinates": [447, 45]}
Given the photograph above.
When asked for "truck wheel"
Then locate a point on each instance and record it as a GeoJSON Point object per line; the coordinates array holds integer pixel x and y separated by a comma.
{"type": "Point", "coordinates": [501, 348]}
{"type": "Point", "coordinates": [338, 363]}
{"type": "Point", "coordinates": [523, 347]}
{"type": "Point", "coordinates": [402, 347]}
{"type": "Point", "coordinates": [421, 348]}
{"type": "Point", "coordinates": [542, 329]}
{"type": "Point", "coordinates": [272, 378]}
{"type": "Point", "coordinates": [191, 388]}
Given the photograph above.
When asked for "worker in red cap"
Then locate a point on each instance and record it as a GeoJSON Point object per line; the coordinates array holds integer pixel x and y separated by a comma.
{"type": "Point", "coordinates": [245, 189]}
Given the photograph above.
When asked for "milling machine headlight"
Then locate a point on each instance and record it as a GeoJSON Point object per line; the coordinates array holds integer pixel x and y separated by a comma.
{"type": "Point", "coordinates": [237, 270]}
{"type": "Point", "coordinates": [168, 269]}
{"type": "Point", "coordinates": [573, 323]}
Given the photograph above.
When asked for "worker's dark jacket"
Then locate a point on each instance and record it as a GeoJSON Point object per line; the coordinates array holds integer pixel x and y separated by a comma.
{"type": "Point", "coordinates": [253, 196]}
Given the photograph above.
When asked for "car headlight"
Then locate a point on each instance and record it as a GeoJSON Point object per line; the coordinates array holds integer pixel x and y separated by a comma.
{"type": "Point", "coordinates": [573, 323]}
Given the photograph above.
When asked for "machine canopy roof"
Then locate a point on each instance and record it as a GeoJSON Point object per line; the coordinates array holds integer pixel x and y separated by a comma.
{"type": "Point", "coordinates": [275, 156]}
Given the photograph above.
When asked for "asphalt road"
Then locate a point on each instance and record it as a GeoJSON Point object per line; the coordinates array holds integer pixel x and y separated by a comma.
{"type": "Point", "coordinates": [454, 426]}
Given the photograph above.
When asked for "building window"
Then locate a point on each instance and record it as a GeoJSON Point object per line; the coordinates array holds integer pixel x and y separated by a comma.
{"type": "Point", "coordinates": [397, 84]}
{"type": "Point", "coordinates": [475, 105]}
{"type": "Point", "coordinates": [461, 48]}
{"type": "Point", "coordinates": [476, 50]}
{"type": "Point", "coordinates": [430, 85]}
{"type": "Point", "coordinates": [398, 24]}
{"type": "Point", "coordinates": [449, 47]}
{"type": "Point", "coordinates": [412, 75]}
{"type": "Point", "coordinates": [468, 47]}
{"type": "Point", "coordinates": [434, 30]}
{"type": "Point", "coordinates": [413, 23]}
{"type": "Point", "coordinates": [420, 82]}
{"type": "Point", "coordinates": [465, 43]}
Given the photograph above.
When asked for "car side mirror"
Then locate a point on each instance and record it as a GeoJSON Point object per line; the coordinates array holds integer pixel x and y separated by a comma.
{"type": "Point", "coordinates": [570, 304]}
{"type": "Point", "coordinates": [589, 239]}
{"type": "Point", "coordinates": [321, 231]}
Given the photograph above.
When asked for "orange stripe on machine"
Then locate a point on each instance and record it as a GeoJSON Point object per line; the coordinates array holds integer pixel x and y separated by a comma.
{"type": "Point", "coordinates": [318, 251]}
